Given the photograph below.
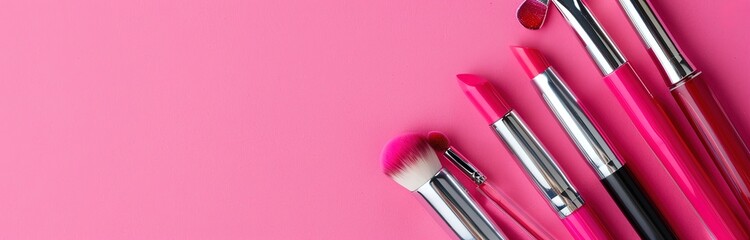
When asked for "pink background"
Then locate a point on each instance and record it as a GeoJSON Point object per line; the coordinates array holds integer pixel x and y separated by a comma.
{"type": "Point", "coordinates": [265, 119]}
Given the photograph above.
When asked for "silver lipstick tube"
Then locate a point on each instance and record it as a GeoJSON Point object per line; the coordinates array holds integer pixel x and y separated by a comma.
{"type": "Point", "coordinates": [601, 48]}
{"type": "Point", "coordinates": [459, 211]}
{"type": "Point", "coordinates": [581, 130]}
{"type": "Point", "coordinates": [539, 165]}
{"type": "Point", "coordinates": [658, 40]}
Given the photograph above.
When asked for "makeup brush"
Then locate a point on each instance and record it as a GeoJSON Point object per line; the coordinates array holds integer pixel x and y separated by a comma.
{"type": "Point", "coordinates": [411, 162]}
{"type": "Point", "coordinates": [441, 143]}
{"type": "Point", "coordinates": [532, 13]}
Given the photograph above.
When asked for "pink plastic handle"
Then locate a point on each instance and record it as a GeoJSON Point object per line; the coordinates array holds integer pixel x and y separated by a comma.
{"type": "Point", "coordinates": [669, 147]}
{"type": "Point", "coordinates": [584, 225]}
{"type": "Point", "coordinates": [514, 211]}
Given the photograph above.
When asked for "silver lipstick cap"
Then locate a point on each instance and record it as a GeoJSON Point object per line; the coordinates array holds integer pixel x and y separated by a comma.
{"type": "Point", "coordinates": [540, 166]}
{"type": "Point", "coordinates": [465, 166]}
{"type": "Point", "coordinates": [657, 38]}
{"type": "Point", "coordinates": [600, 47]}
{"type": "Point", "coordinates": [579, 127]}
{"type": "Point", "coordinates": [459, 211]}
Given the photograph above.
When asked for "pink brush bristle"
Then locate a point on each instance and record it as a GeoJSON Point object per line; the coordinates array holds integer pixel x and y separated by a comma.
{"type": "Point", "coordinates": [531, 14]}
{"type": "Point", "coordinates": [401, 148]}
{"type": "Point", "coordinates": [438, 140]}
{"type": "Point", "coordinates": [409, 160]}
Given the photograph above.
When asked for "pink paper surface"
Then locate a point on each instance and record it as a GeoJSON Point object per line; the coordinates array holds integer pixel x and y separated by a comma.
{"type": "Point", "coordinates": [265, 119]}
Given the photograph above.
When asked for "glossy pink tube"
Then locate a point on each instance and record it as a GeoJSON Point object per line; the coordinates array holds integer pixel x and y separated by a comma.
{"type": "Point", "coordinates": [583, 224]}
{"type": "Point", "coordinates": [717, 134]}
{"type": "Point", "coordinates": [726, 148]}
{"type": "Point", "coordinates": [669, 147]}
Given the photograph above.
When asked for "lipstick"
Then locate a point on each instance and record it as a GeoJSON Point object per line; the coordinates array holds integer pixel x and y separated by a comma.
{"type": "Point", "coordinates": [534, 158]}
{"type": "Point", "coordinates": [696, 100]}
{"type": "Point", "coordinates": [652, 123]}
{"type": "Point", "coordinates": [614, 174]}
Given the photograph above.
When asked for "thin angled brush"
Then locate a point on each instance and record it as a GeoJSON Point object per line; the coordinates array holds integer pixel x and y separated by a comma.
{"type": "Point", "coordinates": [441, 143]}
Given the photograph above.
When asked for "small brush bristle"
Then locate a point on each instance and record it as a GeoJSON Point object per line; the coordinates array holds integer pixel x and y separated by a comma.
{"type": "Point", "coordinates": [409, 160]}
{"type": "Point", "coordinates": [531, 14]}
{"type": "Point", "coordinates": [438, 140]}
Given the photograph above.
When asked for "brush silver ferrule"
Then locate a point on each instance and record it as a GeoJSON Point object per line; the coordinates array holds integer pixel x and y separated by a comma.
{"type": "Point", "coordinates": [460, 212]}
{"type": "Point", "coordinates": [577, 124]}
{"type": "Point", "coordinates": [601, 48]}
{"type": "Point", "coordinates": [466, 167]}
{"type": "Point", "coordinates": [657, 38]}
{"type": "Point", "coordinates": [545, 173]}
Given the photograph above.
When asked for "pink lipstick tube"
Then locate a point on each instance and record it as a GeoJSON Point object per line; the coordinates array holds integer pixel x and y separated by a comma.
{"type": "Point", "coordinates": [613, 172]}
{"type": "Point", "coordinates": [696, 100]}
{"type": "Point", "coordinates": [552, 183]}
{"type": "Point", "coordinates": [652, 123]}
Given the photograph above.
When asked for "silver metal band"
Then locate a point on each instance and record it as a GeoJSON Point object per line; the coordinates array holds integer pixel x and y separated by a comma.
{"type": "Point", "coordinates": [552, 183]}
{"type": "Point", "coordinates": [465, 166]}
{"type": "Point", "coordinates": [597, 42]}
{"type": "Point", "coordinates": [580, 129]}
{"type": "Point", "coordinates": [458, 210]}
{"type": "Point", "coordinates": [657, 38]}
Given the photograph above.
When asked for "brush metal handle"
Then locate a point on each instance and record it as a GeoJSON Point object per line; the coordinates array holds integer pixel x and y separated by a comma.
{"type": "Point", "coordinates": [465, 166]}
{"type": "Point", "coordinates": [460, 212]}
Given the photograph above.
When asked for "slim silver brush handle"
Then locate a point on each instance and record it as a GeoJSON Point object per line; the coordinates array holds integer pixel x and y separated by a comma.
{"type": "Point", "coordinates": [460, 212]}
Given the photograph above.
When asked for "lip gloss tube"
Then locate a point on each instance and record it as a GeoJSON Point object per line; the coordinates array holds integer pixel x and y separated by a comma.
{"type": "Point", "coordinates": [533, 157]}
{"type": "Point", "coordinates": [614, 174]}
{"type": "Point", "coordinates": [695, 99]}
{"type": "Point", "coordinates": [652, 123]}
